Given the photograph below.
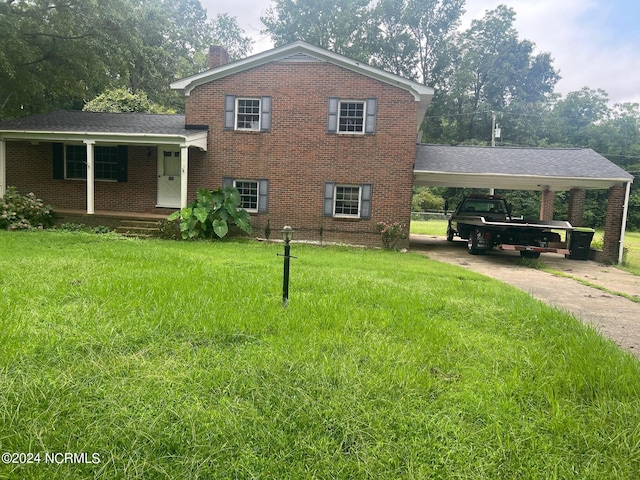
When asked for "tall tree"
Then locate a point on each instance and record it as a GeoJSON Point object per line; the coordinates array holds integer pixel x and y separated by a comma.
{"type": "Point", "coordinates": [341, 26]}
{"type": "Point", "coordinates": [53, 52]}
{"type": "Point", "coordinates": [496, 71]}
{"type": "Point", "coordinates": [59, 53]}
{"type": "Point", "coordinates": [574, 116]}
{"type": "Point", "coordinates": [414, 37]}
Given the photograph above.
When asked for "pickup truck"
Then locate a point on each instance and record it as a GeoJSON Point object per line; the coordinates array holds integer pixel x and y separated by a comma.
{"type": "Point", "coordinates": [486, 223]}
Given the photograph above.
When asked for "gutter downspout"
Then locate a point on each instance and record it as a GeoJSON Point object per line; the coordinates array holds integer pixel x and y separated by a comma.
{"type": "Point", "coordinates": [625, 210]}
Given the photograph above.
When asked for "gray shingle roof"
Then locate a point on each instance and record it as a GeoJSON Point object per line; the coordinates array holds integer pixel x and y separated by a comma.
{"type": "Point", "coordinates": [98, 122]}
{"type": "Point", "coordinates": [542, 162]}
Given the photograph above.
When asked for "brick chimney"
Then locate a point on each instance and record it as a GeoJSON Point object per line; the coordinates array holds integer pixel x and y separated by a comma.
{"type": "Point", "coordinates": [218, 56]}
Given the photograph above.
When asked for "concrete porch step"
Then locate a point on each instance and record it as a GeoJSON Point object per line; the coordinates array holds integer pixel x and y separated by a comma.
{"type": "Point", "coordinates": [138, 228]}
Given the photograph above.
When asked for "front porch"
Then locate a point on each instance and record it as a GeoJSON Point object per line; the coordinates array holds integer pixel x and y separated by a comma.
{"type": "Point", "coordinates": [102, 162]}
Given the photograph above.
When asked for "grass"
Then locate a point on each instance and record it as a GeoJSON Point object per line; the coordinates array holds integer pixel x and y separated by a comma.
{"type": "Point", "coordinates": [429, 227]}
{"type": "Point", "coordinates": [632, 256]}
{"type": "Point", "coordinates": [177, 360]}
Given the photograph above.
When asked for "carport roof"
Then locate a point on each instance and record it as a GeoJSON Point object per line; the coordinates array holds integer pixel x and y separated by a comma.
{"type": "Point", "coordinates": [510, 168]}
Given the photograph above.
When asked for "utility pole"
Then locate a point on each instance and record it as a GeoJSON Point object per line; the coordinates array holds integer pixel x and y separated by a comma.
{"type": "Point", "coordinates": [492, 191]}
{"type": "Point", "coordinates": [493, 128]}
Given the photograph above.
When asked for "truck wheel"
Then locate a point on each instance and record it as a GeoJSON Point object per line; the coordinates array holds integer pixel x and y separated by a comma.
{"type": "Point", "coordinates": [472, 243]}
{"type": "Point", "coordinates": [449, 233]}
{"type": "Point", "coordinates": [526, 254]}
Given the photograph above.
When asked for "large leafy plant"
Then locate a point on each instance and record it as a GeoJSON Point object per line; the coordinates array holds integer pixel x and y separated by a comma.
{"type": "Point", "coordinates": [212, 213]}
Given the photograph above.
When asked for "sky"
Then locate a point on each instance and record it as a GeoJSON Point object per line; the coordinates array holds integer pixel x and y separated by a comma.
{"type": "Point", "coordinates": [594, 43]}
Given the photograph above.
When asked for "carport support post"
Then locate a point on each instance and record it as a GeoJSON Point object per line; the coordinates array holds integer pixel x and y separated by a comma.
{"type": "Point", "coordinates": [614, 227]}
{"type": "Point", "coordinates": [576, 206]}
{"type": "Point", "coordinates": [546, 204]}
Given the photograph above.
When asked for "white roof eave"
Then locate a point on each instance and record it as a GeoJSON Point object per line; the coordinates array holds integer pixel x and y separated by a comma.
{"type": "Point", "coordinates": [197, 139]}
{"type": "Point", "coordinates": [420, 92]}
{"type": "Point", "coordinates": [513, 182]}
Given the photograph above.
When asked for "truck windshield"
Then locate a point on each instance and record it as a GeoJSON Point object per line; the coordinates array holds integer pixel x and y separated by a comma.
{"type": "Point", "coordinates": [486, 206]}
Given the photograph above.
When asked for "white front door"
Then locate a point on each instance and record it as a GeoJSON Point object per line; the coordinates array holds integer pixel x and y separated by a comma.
{"type": "Point", "coordinates": [169, 177]}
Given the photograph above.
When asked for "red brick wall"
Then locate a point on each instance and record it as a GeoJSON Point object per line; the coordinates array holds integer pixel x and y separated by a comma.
{"type": "Point", "coordinates": [297, 156]}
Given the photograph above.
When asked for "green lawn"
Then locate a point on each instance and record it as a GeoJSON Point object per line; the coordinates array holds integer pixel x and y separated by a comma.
{"type": "Point", "coordinates": [429, 227]}
{"type": "Point", "coordinates": [177, 360]}
{"type": "Point", "coordinates": [632, 257]}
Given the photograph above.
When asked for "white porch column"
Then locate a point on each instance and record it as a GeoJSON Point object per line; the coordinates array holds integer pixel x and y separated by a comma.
{"type": "Point", "coordinates": [184, 172]}
{"type": "Point", "coordinates": [3, 167]}
{"type": "Point", "coordinates": [91, 184]}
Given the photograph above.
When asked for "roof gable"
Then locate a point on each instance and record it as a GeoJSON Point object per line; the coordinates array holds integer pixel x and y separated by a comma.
{"type": "Point", "coordinates": [302, 52]}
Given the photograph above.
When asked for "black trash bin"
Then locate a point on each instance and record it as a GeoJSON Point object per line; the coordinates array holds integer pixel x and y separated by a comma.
{"type": "Point", "coordinates": [580, 243]}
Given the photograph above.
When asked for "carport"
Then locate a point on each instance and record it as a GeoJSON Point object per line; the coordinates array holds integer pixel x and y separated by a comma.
{"type": "Point", "coordinates": [548, 170]}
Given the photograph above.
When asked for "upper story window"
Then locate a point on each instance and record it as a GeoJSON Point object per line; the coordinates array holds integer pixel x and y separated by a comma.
{"type": "Point", "coordinates": [249, 114]}
{"type": "Point", "coordinates": [352, 116]}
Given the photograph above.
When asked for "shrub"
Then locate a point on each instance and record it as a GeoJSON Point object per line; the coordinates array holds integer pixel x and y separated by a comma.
{"type": "Point", "coordinates": [169, 230]}
{"type": "Point", "coordinates": [18, 212]}
{"type": "Point", "coordinates": [212, 213]}
{"type": "Point", "coordinates": [392, 233]}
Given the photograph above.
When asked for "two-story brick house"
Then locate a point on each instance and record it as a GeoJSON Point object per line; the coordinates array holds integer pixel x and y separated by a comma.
{"type": "Point", "coordinates": [310, 138]}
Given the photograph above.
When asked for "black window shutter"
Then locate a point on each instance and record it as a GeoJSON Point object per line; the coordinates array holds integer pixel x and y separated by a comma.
{"type": "Point", "coordinates": [365, 201]}
{"type": "Point", "coordinates": [332, 114]}
{"type": "Point", "coordinates": [329, 188]}
{"type": "Point", "coordinates": [123, 163]}
{"type": "Point", "coordinates": [229, 112]}
{"type": "Point", "coordinates": [265, 121]}
{"type": "Point", "coordinates": [58, 160]}
{"type": "Point", "coordinates": [227, 181]}
{"type": "Point", "coordinates": [370, 122]}
{"type": "Point", "coordinates": [263, 195]}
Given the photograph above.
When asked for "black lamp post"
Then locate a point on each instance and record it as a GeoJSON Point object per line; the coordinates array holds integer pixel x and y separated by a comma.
{"type": "Point", "coordinates": [287, 236]}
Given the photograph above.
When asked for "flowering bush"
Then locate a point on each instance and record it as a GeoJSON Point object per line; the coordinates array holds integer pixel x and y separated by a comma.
{"type": "Point", "coordinates": [392, 233]}
{"type": "Point", "coordinates": [18, 212]}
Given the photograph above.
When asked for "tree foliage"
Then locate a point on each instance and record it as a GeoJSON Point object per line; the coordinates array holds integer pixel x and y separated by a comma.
{"type": "Point", "coordinates": [341, 26]}
{"type": "Point", "coordinates": [122, 100]}
{"type": "Point", "coordinates": [56, 54]}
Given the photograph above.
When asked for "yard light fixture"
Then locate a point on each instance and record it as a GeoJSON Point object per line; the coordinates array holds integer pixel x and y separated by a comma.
{"type": "Point", "coordinates": [287, 236]}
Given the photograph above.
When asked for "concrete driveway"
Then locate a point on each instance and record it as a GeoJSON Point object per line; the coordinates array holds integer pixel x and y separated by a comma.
{"type": "Point", "coordinates": [599, 303]}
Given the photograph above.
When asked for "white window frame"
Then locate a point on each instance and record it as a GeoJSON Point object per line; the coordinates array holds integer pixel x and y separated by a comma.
{"type": "Point", "coordinates": [257, 197]}
{"type": "Point", "coordinates": [335, 201]}
{"type": "Point", "coordinates": [255, 126]}
{"type": "Point", "coordinates": [364, 117]}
